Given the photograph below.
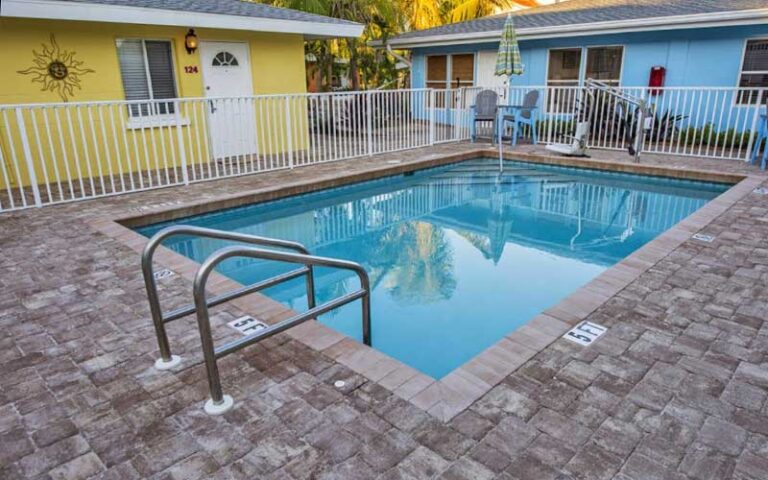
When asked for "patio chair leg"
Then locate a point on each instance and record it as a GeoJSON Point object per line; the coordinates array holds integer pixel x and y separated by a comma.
{"type": "Point", "coordinates": [514, 134]}
{"type": "Point", "coordinates": [755, 153]}
{"type": "Point", "coordinates": [473, 132]}
{"type": "Point", "coordinates": [534, 136]}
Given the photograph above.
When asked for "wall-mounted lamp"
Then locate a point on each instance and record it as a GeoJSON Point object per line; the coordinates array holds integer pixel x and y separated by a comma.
{"type": "Point", "coordinates": [190, 41]}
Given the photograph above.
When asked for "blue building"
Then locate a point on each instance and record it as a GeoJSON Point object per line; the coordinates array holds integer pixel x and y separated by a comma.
{"type": "Point", "coordinates": [697, 43]}
{"type": "Point", "coordinates": [701, 65]}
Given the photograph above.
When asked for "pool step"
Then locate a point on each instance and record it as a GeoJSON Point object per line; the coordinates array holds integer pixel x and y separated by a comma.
{"type": "Point", "coordinates": [480, 174]}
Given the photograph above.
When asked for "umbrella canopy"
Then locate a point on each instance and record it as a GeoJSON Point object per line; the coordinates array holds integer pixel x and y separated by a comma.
{"type": "Point", "coordinates": [508, 61]}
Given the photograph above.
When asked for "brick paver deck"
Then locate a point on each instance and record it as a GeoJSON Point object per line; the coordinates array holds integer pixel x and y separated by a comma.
{"type": "Point", "coordinates": [675, 389]}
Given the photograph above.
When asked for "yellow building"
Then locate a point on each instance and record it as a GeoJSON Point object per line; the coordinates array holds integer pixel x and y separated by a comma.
{"type": "Point", "coordinates": [125, 86]}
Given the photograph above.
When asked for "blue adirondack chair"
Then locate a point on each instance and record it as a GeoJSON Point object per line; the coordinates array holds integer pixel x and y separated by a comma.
{"type": "Point", "coordinates": [485, 110]}
{"type": "Point", "coordinates": [517, 115]}
{"type": "Point", "coordinates": [762, 136]}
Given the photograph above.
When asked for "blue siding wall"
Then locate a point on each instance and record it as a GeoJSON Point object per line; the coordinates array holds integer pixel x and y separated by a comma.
{"type": "Point", "coordinates": [696, 57]}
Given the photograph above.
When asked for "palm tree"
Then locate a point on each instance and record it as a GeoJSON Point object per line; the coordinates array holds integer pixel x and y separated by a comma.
{"type": "Point", "coordinates": [381, 18]}
{"type": "Point", "coordinates": [376, 15]}
{"type": "Point", "coordinates": [421, 14]}
{"type": "Point", "coordinates": [470, 9]}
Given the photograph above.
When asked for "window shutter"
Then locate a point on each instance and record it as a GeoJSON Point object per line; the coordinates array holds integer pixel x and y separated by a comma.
{"type": "Point", "coordinates": [160, 63]}
{"type": "Point", "coordinates": [132, 71]}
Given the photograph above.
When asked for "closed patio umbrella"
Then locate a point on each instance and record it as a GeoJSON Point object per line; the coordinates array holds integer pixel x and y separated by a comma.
{"type": "Point", "coordinates": [508, 62]}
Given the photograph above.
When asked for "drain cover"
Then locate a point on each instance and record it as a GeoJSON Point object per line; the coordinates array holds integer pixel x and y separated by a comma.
{"type": "Point", "coordinates": [585, 333]}
{"type": "Point", "coordinates": [703, 237]}
{"type": "Point", "coordinates": [247, 325]}
{"type": "Point", "coordinates": [164, 273]}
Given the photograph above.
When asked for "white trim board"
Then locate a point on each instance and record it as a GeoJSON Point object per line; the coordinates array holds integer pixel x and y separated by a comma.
{"type": "Point", "coordinates": [677, 22]}
{"type": "Point", "coordinates": [94, 12]}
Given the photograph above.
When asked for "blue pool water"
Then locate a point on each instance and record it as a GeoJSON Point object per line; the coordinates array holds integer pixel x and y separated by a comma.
{"type": "Point", "coordinates": [458, 256]}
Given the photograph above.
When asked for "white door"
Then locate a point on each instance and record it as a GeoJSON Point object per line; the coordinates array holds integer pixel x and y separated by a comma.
{"type": "Point", "coordinates": [227, 81]}
{"type": "Point", "coordinates": [486, 66]}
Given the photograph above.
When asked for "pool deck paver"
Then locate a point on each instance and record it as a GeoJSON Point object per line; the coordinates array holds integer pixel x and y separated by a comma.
{"type": "Point", "coordinates": [676, 388]}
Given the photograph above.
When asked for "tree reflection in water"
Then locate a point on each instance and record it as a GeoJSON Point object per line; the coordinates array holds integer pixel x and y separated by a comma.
{"type": "Point", "coordinates": [414, 262]}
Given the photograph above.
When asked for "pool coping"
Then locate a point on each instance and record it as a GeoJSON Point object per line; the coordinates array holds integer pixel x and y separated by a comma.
{"type": "Point", "coordinates": [447, 397]}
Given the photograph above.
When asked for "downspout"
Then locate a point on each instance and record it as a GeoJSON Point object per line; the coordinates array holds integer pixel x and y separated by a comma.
{"type": "Point", "coordinates": [401, 58]}
{"type": "Point", "coordinates": [398, 57]}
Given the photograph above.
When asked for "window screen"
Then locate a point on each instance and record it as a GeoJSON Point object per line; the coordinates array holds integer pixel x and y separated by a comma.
{"type": "Point", "coordinates": [564, 67]}
{"type": "Point", "coordinates": [437, 71]}
{"type": "Point", "coordinates": [462, 70]}
{"type": "Point", "coordinates": [146, 68]}
{"type": "Point", "coordinates": [564, 70]}
{"type": "Point", "coordinates": [604, 63]}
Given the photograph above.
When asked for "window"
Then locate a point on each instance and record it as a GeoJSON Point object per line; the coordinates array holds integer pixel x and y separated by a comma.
{"type": "Point", "coordinates": [565, 70]}
{"type": "Point", "coordinates": [224, 59]}
{"type": "Point", "coordinates": [462, 70]}
{"type": "Point", "coordinates": [451, 71]}
{"type": "Point", "coordinates": [437, 71]}
{"type": "Point", "coordinates": [754, 70]}
{"type": "Point", "coordinates": [564, 67]}
{"type": "Point", "coordinates": [146, 67]}
{"type": "Point", "coordinates": [604, 63]}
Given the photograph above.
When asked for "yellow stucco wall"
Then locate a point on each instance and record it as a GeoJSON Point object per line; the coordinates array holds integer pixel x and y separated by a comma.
{"type": "Point", "coordinates": [277, 60]}
{"type": "Point", "coordinates": [277, 63]}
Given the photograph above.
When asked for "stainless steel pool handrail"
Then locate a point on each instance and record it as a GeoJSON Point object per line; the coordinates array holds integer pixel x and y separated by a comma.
{"type": "Point", "coordinates": [220, 403]}
{"type": "Point", "coordinates": [167, 360]}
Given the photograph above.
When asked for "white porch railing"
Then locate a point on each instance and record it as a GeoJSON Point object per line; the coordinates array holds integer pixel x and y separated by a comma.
{"type": "Point", "coordinates": [711, 122]}
{"type": "Point", "coordinates": [53, 153]}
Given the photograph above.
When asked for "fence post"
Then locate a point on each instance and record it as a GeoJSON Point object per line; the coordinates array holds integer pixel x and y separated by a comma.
{"type": "Point", "coordinates": [753, 129]}
{"type": "Point", "coordinates": [459, 118]}
{"type": "Point", "coordinates": [288, 132]}
{"type": "Point", "coordinates": [431, 106]}
{"type": "Point", "coordinates": [369, 122]}
{"type": "Point", "coordinates": [180, 141]}
{"type": "Point", "coordinates": [28, 157]}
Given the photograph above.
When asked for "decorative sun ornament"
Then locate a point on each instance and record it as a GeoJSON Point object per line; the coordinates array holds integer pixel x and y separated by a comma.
{"type": "Point", "coordinates": [56, 69]}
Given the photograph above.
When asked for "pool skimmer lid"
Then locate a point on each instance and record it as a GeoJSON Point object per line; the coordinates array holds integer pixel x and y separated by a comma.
{"type": "Point", "coordinates": [703, 237]}
{"type": "Point", "coordinates": [761, 190]}
{"type": "Point", "coordinates": [585, 333]}
{"type": "Point", "coordinates": [247, 325]}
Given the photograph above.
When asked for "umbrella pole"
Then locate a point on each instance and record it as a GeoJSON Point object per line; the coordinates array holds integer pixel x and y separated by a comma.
{"type": "Point", "coordinates": [500, 129]}
{"type": "Point", "coordinates": [501, 156]}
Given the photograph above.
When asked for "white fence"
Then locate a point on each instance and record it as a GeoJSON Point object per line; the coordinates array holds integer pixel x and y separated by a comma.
{"type": "Point", "coordinates": [53, 153]}
{"type": "Point", "coordinates": [707, 122]}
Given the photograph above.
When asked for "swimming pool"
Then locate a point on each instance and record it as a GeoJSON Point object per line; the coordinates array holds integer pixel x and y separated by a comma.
{"type": "Point", "coordinates": [458, 256]}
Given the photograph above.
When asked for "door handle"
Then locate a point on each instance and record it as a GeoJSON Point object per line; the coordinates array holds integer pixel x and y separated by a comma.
{"type": "Point", "coordinates": [213, 109]}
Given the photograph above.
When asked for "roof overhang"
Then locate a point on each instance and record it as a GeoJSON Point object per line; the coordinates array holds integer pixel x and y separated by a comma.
{"type": "Point", "coordinates": [95, 12]}
{"type": "Point", "coordinates": [677, 22]}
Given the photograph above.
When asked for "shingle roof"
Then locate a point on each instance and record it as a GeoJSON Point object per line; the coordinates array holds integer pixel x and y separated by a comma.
{"type": "Point", "coordinates": [574, 12]}
{"type": "Point", "coordinates": [243, 8]}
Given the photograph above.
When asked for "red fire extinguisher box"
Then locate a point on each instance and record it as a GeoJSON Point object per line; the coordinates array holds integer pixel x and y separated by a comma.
{"type": "Point", "coordinates": [656, 79]}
